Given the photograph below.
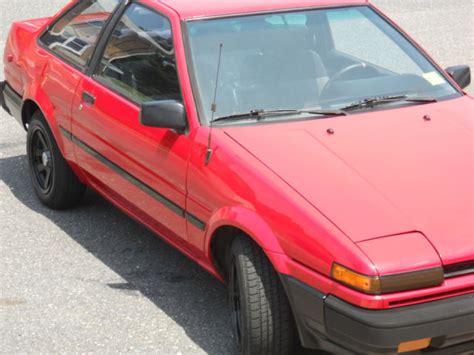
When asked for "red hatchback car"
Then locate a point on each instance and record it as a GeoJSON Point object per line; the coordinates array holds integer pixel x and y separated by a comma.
{"type": "Point", "coordinates": [308, 153]}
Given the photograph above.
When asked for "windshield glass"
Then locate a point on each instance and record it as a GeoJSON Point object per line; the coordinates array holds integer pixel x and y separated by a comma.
{"type": "Point", "coordinates": [325, 58]}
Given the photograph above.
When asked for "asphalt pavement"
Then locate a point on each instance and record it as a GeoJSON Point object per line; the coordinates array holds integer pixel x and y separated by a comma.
{"type": "Point", "coordinates": [92, 280]}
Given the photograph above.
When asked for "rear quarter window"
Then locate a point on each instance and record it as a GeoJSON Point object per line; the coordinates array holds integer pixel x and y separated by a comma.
{"type": "Point", "coordinates": [75, 35]}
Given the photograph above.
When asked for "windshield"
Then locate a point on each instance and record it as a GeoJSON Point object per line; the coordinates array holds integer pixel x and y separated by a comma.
{"type": "Point", "coordinates": [325, 58]}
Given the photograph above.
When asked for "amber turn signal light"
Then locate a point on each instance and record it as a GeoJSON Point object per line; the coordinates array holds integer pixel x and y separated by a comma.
{"type": "Point", "coordinates": [364, 283]}
{"type": "Point", "coordinates": [414, 345]}
{"type": "Point", "coordinates": [388, 283]}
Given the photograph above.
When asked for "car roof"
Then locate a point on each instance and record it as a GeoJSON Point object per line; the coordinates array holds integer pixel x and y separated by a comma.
{"type": "Point", "coordinates": [188, 9]}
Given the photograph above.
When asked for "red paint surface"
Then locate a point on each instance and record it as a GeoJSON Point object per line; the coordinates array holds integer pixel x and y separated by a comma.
{"type": "Point", "coordinates": [194, 9]}
{"type": "Point", "coordinates": [387, 192]}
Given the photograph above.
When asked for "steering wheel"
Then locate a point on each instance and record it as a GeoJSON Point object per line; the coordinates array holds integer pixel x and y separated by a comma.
{"type": "Point", "coordinates": [340, 73]}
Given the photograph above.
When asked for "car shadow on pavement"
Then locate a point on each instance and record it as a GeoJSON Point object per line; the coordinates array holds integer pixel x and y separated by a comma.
{"type": "Point", "coordinates": [195, 300]}
{"type": "Point", "coordinates": [186, 293]}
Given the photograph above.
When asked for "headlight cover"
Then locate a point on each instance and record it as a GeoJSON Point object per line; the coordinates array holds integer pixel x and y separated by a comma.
{"type": "Point", "coordinates": [389, 283]}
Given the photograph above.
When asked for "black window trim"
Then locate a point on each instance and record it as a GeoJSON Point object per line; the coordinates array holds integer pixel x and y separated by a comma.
{"type": "Point", "coordinates": [65, 60]}
{"type": "Point", "coordinates": [104, 40]}
{"type": "Point", "coordinates": [92, 65]}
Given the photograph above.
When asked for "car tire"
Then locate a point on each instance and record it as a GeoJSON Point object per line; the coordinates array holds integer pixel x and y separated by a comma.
{"type": "Point", "coordinates": [261, 315]}
{"type": "Point", "coordinates": [53, 180]}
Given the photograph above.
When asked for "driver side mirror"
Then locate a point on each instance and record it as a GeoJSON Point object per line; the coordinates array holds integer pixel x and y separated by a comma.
{"type": "Point", "coordinates": [461, 75]}
{"type": "Point", "coordinates": [164, 114]}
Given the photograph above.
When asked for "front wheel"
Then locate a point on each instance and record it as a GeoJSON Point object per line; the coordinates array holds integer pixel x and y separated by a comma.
{"type": "Point", "coordinates": [53, 180]}
{"type": "Point", "coordinates": [261, 315]}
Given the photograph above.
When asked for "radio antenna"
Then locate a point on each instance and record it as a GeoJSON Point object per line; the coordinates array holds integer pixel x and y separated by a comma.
{"type": "Point", "coordinates": [213, 108]}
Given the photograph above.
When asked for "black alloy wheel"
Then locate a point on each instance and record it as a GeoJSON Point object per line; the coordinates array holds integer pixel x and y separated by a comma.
{"type": "Point", "coordinates": [41, 162]}
{"type": "Point", "coordinates": [53, 180]}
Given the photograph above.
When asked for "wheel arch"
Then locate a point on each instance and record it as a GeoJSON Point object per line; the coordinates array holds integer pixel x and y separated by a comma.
{"type": "Point", "coordinates": [36, 96]}
{"type": "Point", "coordinates": [230, 222]}
{"type": "Point", "coordinates": [36, 99]}
{"type": "Point", "coordinates": [28, 108]}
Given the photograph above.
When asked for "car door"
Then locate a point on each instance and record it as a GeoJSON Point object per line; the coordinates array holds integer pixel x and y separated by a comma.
{"type": "Point", "coordinates": [140, 168]}
{"type": "Point", "coordinates": [71, 40]}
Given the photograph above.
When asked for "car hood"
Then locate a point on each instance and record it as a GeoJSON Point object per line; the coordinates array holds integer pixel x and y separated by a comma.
{"type": "Point", "coordinates": [381, 173]}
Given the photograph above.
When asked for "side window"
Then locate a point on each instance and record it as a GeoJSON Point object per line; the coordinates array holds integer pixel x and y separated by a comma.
{"type": "Point", "coordinates": [349, 28]}
{"type": "Point", "coordinates": [76, 34]}
{"type": "Point", "coordinates": [139, 59]}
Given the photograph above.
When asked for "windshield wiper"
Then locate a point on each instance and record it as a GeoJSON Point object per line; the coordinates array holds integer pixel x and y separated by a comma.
{"type": "Point", "coordinates": [261, 114]}
{"type": "Point", "coordinates": [382, 100]}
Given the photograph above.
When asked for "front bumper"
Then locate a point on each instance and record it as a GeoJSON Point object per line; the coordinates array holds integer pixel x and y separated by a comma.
{"type": "Point", "coordinates": [329, 323]}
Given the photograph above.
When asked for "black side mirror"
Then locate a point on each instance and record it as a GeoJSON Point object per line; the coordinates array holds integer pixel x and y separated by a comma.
{"type": "Point", "coordinates": [164, 114]}
{"type": "Point", "coordinates": [461, 75]}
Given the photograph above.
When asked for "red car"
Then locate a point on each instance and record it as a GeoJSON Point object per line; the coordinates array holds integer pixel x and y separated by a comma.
{"type": "Point", "coordinates": [308, 153]}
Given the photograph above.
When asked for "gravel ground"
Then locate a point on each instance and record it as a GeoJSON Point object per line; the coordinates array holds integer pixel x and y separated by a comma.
{"type": "Point", "coordinates": [92, 280]}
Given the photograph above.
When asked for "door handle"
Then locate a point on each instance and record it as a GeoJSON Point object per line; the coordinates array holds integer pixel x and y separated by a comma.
{"type": "Point", "coordinates": [88, 98]}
